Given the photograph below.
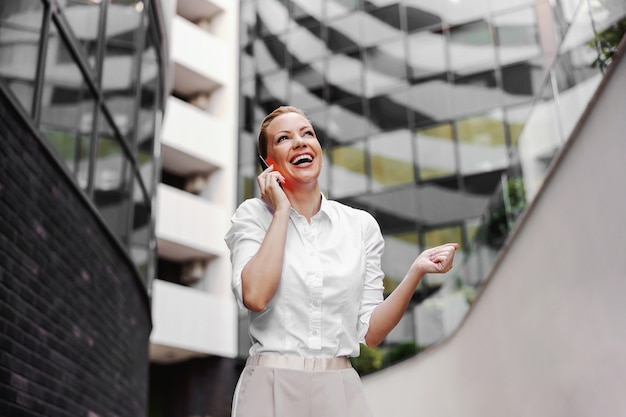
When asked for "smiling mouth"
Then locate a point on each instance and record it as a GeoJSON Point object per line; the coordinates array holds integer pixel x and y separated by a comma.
{"type": "Point", "coordinates": [302, 159]}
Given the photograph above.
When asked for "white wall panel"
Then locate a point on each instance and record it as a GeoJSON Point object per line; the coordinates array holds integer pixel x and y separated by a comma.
{"type": "Point", "coordinates": [193, 321]}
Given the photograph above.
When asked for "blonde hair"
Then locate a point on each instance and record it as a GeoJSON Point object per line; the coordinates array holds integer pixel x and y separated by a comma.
{"type": "Point", "coordinates": [262, 140]}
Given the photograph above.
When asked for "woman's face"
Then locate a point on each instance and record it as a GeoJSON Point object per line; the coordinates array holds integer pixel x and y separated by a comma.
{"type": "Point", "coordinates": [294, 149]}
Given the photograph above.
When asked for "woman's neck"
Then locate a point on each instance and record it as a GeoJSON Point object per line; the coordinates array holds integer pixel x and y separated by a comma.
{"type": "Point", "coordinates": [306, 202]}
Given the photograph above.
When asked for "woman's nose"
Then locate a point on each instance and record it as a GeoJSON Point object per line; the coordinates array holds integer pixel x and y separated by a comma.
{"type": "Point", "coordinates": [299, 141]}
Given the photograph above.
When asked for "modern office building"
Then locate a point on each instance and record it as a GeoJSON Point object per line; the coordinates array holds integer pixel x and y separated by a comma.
{"type": "Point", "coordinates": [81, 102]}
{"type": "Point", "coordinates": [545, 335]}
{"type": "Point", "coordinates": [420, 105]}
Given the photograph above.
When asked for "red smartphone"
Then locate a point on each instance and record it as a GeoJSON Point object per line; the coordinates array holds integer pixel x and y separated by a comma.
{"type": "Point", "coordinates": [265, 166]}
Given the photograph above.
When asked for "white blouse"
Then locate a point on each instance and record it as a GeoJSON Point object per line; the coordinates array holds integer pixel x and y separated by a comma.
{"type": "Point", "coordinates": [331, 279]}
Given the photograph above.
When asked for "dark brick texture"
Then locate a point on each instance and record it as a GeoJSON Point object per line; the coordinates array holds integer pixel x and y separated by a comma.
{"type": "Point", "coordinates": [74, 316]}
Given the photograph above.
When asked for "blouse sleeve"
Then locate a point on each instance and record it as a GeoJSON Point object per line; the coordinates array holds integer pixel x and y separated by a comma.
{"type": "Point", "coordinates": [244, 238]}
{"type": "Point", "coordinates": [373, 279]}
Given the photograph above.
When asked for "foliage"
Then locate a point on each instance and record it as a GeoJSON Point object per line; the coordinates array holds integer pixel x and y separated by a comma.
{"type": "Point", "coordinates": [606, 43]}
{"type": "Point", "coordinates": [400, 352]}
{"type": "Point", "coordinates": [469, 292]}
{"type": "Point", "coordinates": [370, 360]}
{"type": "Point", "coordinates": [503, 213]}
{"type": "Point", "coordinates": [373, 359]}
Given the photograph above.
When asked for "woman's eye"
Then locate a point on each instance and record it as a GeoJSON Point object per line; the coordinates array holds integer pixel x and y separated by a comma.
{"type": "Point", "coordinates": [309, 133]}
{"type": "Point", "coordinates": [280, 139]}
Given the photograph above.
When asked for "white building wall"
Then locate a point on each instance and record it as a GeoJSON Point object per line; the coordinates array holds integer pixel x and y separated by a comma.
{"type": "Point", "coordinates": [199, 138]}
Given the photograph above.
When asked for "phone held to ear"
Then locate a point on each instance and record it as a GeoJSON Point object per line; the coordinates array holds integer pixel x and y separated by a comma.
{"type": "Point", "coordinates": [265, 166]}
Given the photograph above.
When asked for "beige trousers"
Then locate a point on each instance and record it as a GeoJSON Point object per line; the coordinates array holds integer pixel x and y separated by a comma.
{"type": "Point", "coordinates": [278, 386]}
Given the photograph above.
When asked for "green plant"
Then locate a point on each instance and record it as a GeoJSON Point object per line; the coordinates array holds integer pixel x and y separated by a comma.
{"type": "Point", "coordinates": [504, 213]}
{"type": "Point", "coordinates": [401, 351]}
{"type": "Point", "coordinates": [606, 43]}
{"type": "Point", "coordinates": [369, 360]}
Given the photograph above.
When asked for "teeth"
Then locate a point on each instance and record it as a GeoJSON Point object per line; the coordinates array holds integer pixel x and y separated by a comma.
{"type": "Point", "coordinates": [301, 158]}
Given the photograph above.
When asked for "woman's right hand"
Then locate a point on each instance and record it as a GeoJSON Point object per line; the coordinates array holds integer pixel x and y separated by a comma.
{"type": "Point", "coordinates": [271, 191]}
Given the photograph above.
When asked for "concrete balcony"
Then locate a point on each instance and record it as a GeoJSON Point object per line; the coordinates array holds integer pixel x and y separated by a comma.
{"type": "Point", "coordinates": [191, 139]}
{"type": "Point", "coordinates": [186, 227]}
{"type": "Point", "coordinates": [197, 58]}
{"type": "Point", "coordinates": [194, 10]}
{"type": "Point", "coordinates": [189, 323]}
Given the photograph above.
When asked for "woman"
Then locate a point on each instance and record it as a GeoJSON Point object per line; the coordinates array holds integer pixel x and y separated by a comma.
{"type": "Point", "coordinates": [308, 271]}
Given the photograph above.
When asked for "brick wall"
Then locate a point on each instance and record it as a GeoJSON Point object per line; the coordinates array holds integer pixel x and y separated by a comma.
{"type": "Point", "coordinates": [74, 318]}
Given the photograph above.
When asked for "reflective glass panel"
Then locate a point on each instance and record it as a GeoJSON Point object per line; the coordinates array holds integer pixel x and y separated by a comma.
{"type": "Point", "coordinates": [247, 23]}
{"type": "Point", "coordinates": [482, 144]}
{"type": "Point", "coordinates": [347, 122]}
{"type": "Point", "coordinates": [576, 84]}
{"type": "Point", "coordinates": [112, 192]}
{"type": "Point", "coordinates": [515, 121]}
{"type": "Point", "coordinates": [319, 120]}
{"type": "Point", "coordinates": [345, 33]}
{"type": "Point", "coordinates": [580, 31]}
{"type": "Point", "coordinates": [381, 25]}
{"type": "Point", "coordinates": [577, 72]}
{"type": "Point", "coordinates": [247, 149]}
{"type": "Point", "coordinates": [83, 19]}
{"type": "Point", "coordinates": [539, 141]}
{"type": "Point", "coordinates": [499, 5]}
{"type": "Point", "coordinates": [307, 87]}
{"type": "Point", "coordinates": [389, 112]}
{"type": "Point", "coordinates": [273, 87]}
{"type": "Point", "coordinates": [324, 178]}
{"type": "Point", "coordinates": [391, 159]}
{"type": "Point", "coordinates": [345, 76]}
{"type": "Point", "coordinates": [522, 81]}
{"type": "Point", "coordinates": [340, 7]}
{"type": "Point", "coordinates": [423, 14]}
{"type": "Point", "coordinates": [306, 44]}
{"type": "Point", "coordinates": [471, 48]}
{"type": "Point", "coordinates": [427, 54]}
{"type": "Point", "coordinates": [141, 233]}
{"type": "Point", "coordinates": [462, 11]}
{"type": "Point", "coordinates": [568, 9]}
{"type": "Point", "coordinates": [348, 173]}
{"type": "Point", "coordinates": [73, 148]}
{"type": "Point", "coordinates": [246, 65]}
{"type": "Point", "coordinates": [120, 71]}
{"type": "Point", "coordinates": [269, 54]}
{"type": "Point", "coordinates": [20, 26]}
{"type": "Point", "coordinates": [272, 17]}
{"type": "Point", "coordinates": [385, 68]}
{"type": "Point", "coordinates": [430, 101]}
{"type": "Point", "coordinates": [435, 151]}
{"type": "Point", "coordinates": [306, 12]}
{"type": "Point", "coordinates": [517, 36]}
{"type": "Point", "coordinates": [475, 93]}
{"type": "Point", "coordinates": [246, 104]}
{"type": "Point", "coordinates": [608, 20]}
{"type": "Point", "coordinates": [67, 108]}
{"type": "Point", "coordinates": [150, 111]}
{"type": "Point", "coordinates": [401, 249]}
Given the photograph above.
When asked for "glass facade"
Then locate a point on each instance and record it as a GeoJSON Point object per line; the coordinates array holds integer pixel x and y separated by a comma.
{"type": "Point", "coordinates": [421, 106]}
{"type": "Point", "coordinates": [90, 75]}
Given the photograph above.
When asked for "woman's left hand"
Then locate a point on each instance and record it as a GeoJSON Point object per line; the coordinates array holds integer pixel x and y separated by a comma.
{"type": "Point", "coordinates": [436, 260]}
